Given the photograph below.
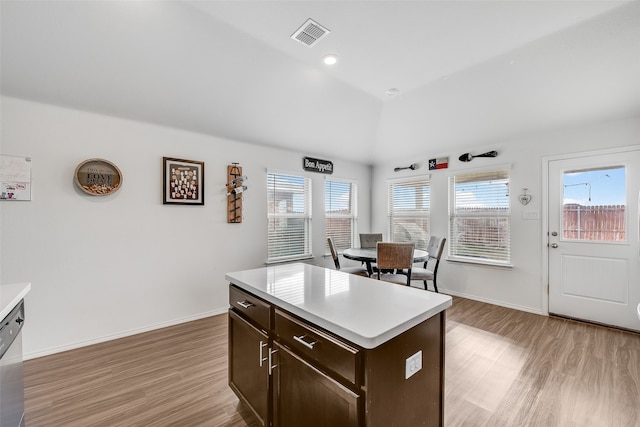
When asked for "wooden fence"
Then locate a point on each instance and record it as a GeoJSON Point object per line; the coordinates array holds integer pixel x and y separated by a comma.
{"type": "Point", "coordinates": [594, 222]}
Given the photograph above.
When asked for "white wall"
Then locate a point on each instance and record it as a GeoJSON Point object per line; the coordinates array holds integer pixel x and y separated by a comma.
{"type": "Point", "coordinates": [105, 267]}
{"type": "Point", "coordinates": [522, 286]}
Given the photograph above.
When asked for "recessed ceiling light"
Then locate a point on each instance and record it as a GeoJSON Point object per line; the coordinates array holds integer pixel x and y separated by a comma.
{"type": "Point", "coordinates": [393, 91]}
{"type": "Point", "coordinates": [330, 59]}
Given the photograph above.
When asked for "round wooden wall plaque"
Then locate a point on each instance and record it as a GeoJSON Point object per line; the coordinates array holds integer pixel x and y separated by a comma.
{"type": "Point", "coordinates": [98, 177]}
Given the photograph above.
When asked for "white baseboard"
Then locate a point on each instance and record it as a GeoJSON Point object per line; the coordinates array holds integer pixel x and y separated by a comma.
{"type": "Point", "coordinates": [490, 301]}
{"type": "Point", "coordinates": [54, 350]}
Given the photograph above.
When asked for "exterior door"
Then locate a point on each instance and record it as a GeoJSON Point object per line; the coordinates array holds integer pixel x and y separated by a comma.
{"type": "Point", "coordinates": [594, 256]}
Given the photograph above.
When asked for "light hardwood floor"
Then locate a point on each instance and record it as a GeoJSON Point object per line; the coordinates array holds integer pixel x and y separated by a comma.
{"type": "Point", "coordinates": [503, 368]}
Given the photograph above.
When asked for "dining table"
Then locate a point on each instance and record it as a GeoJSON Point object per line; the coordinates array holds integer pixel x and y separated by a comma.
{"type": "Point", "coordinates": [369, 256]}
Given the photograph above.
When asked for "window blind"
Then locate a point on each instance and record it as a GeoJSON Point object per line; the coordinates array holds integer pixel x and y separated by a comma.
{"type": "Point", "coordinates": [340, 199]}
{"type": "Point", "coordinates": [409, 210]}
{"type": "Point", "coordinates": [480, 218]}
{"type": "Point", "coordinates": [289, 217]}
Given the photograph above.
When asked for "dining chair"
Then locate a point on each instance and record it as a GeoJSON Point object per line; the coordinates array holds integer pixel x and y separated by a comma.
{"type": "Point", "coordinates": [397, 258]}
{"type": "Point", "coordinates": [435, 249]}
{"type": "Point", "coordinates": [370, 240]}
{"type": "Point", "coordinates": [359, 271]}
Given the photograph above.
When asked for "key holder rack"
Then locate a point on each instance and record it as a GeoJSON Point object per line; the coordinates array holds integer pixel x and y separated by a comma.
{"type": "Point", "coordinates": [235, 188]}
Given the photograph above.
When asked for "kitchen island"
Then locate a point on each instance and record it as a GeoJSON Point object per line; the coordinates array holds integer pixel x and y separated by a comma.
{"type": "Point", "coordinates": [317, 347]}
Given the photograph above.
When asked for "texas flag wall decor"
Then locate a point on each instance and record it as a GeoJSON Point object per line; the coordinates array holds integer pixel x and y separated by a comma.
{"type": "Point", "coordinates": [439, 163]}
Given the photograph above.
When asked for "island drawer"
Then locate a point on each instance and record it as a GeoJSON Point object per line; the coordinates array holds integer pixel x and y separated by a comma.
{"type": "Point", "coordinates": [327, 351]}
{"type": "Point", "coordinates": [251, 307]}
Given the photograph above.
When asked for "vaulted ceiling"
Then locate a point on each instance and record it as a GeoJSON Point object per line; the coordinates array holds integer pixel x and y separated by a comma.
{"type": "Point", "coordinates": [467, 72]}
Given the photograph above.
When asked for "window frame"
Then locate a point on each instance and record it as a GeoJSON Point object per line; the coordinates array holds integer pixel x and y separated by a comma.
{"type": "Point", "coordinates": [306, 216]}
{"type": "Point", "coordinates": [459, 256]}
{"type": "Point", "coordinates": [352, 215]}
{"type": "Point", "coordinates": [392, 214]}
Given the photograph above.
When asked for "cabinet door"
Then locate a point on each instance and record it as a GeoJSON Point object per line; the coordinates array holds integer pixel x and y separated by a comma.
{"type": "Point", "coordinates": [305, 396]}
{"type": "Point", "coordinates": [248, 374]}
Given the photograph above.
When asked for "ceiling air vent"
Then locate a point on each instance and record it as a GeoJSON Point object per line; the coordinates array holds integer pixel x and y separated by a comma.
{"type": "Point", "coordinates": [310, 33]}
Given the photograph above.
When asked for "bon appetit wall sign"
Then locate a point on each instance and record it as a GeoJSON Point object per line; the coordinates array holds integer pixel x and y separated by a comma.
{"type": "Point", "coordinates": [316, 165]}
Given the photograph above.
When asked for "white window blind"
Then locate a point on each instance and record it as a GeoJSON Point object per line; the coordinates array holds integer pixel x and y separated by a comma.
{"type": "Point", "coordinates": [479, 217]}
{"type": "Point", "coordinates": [409, 206]}
{"type": "Point", "coordinates": [340, 199]}
{"type": "Point", "coordinates": [289, 217]}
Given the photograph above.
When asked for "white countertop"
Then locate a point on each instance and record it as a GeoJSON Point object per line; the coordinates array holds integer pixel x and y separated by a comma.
{"type": "Point", "coordinates": [364, 311]}
{"type": "Point", "coordinates": [10, 296]}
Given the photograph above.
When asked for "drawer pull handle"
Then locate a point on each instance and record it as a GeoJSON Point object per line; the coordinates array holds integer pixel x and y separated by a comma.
{"type": "Point", "coordinates": [271, 365]}
{"type": "Point", "coordinates": [245, 304]}
{"type": "Point", "coordinates": [262, 359]}
{"type": "Point", "coordinates": [301, 340]}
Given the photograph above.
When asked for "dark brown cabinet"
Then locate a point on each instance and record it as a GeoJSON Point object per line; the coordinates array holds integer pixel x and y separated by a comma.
{"type": "Point", "coordinates": [339, 358]}
{"type": "Point", "coordinates": [292, 373]}
{"type": "Point", "coordinates": [248, 371]}
{"type": "Point", "coordinates": [272, 379]}
{"type": "Point", "coordinates": [305, 396]}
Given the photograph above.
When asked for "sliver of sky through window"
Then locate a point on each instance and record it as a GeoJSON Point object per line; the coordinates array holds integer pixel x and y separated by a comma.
{"type": "Point", "coordinates": [599, 187]}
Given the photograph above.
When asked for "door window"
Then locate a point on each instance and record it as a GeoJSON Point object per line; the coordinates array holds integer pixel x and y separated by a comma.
{"type": "Point", "coordinates": [594, 204]}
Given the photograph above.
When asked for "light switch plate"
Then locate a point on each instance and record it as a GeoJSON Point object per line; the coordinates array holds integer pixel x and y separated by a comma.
{"type": "Point", "coordinates": [413, 364]}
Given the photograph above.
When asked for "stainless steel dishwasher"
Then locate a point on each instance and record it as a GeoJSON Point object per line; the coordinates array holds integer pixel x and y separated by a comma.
{"type": "Point", "coordinates": [11, 374]}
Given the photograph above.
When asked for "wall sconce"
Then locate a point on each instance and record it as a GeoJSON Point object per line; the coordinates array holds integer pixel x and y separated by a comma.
{"type": "Point", "coordinates": [524, 197]}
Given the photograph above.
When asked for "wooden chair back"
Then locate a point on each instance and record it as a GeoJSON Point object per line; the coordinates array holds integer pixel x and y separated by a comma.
{"type": "Point", "coordinates": [395, 256]}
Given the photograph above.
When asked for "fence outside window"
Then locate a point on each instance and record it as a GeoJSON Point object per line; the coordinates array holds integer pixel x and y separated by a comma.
{"type": "Point", "coordinates": [603, 223]}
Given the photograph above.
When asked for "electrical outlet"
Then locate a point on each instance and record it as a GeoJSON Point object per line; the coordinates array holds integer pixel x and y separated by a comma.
{"type": "Point", "coordinates": [413, 364]}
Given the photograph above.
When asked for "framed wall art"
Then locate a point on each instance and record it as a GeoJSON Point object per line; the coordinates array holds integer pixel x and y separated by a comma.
{"type": "Point", "coordinates": [183, 181]}
{"type": "Point", "coordinates": [98, 177]}
{"type": "Point", "coordinates": [15, 177]}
